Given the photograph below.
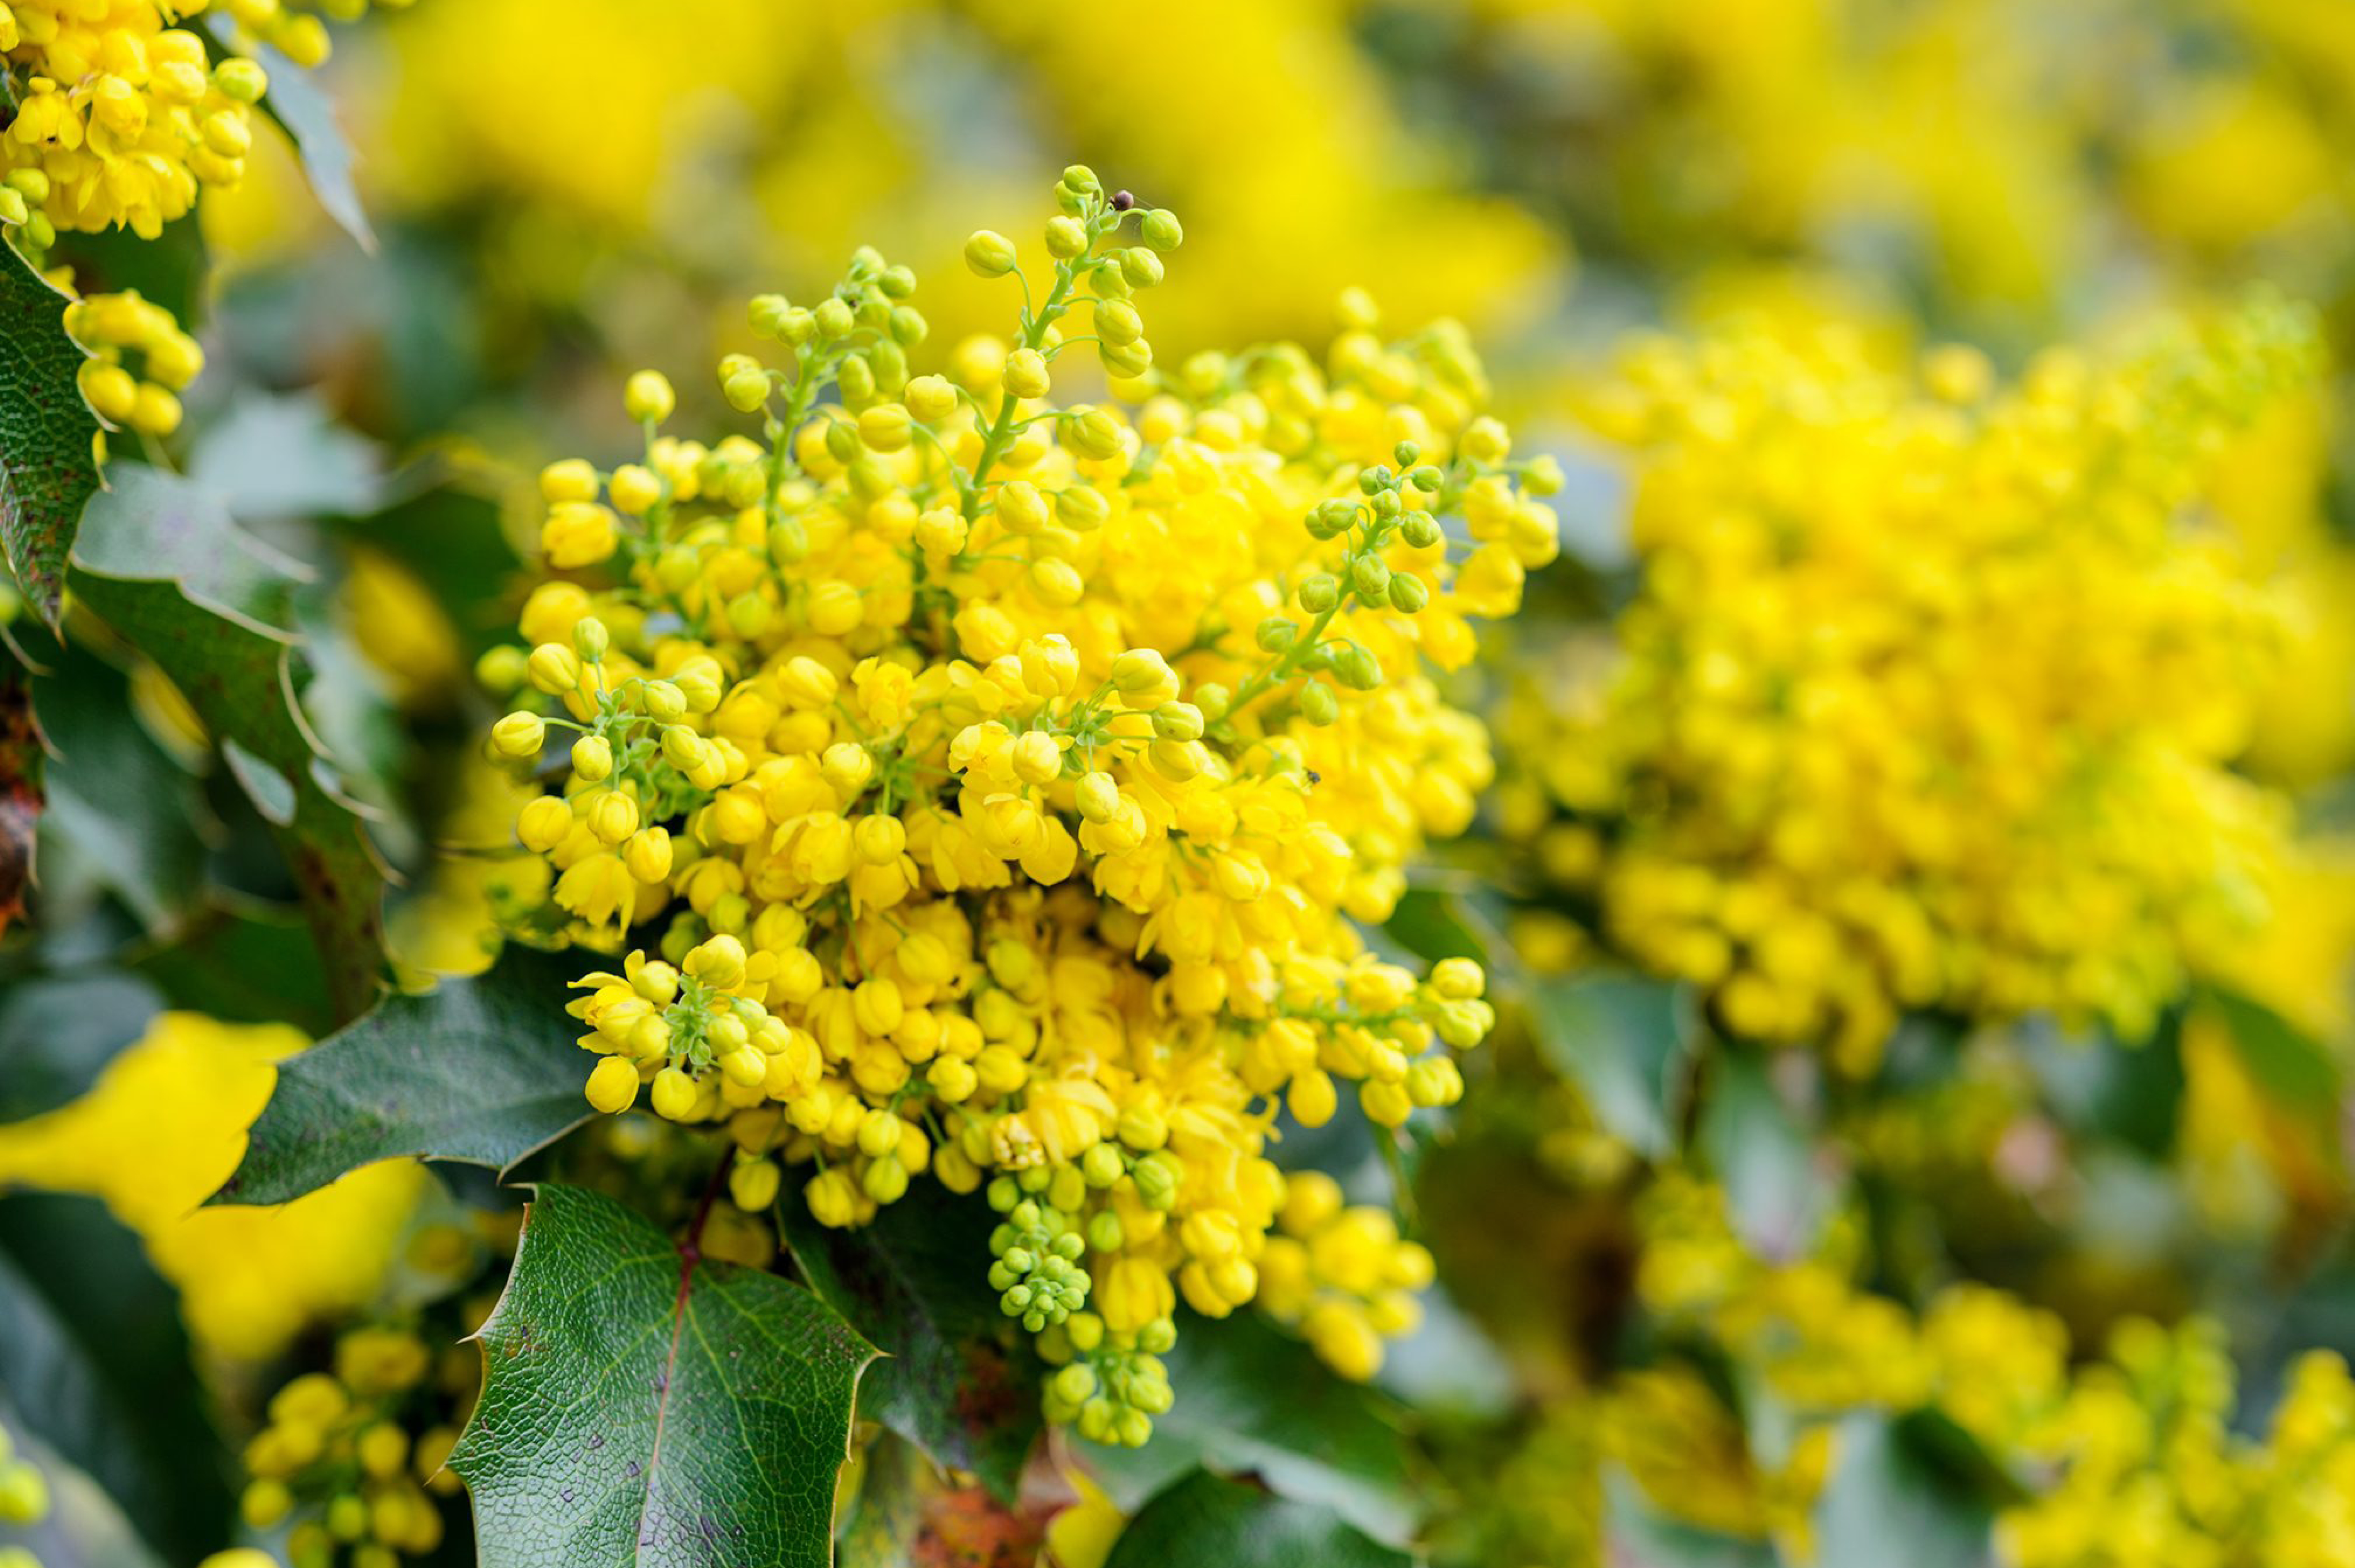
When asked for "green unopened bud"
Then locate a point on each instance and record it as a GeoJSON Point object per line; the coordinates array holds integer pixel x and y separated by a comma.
{"type": "Point", "coordinates": [1080, 177]}
{"type": "Point", "coordinates": [1332, 519]}
{"type": "Point", "coordinates": [788, 541]}
{"type": "Point", "coordinates": [747, 390]}
{"type": "Point", "coordinates": [1177, 721]}
{"type": "Point", "coordinates": [242, 81]}
{"type": "Point", "coordinates": [1092, 433]}
{"type": "Point", "coordinates": [591, 639]}
{"type": "Point", "coordinates": [1421, 529]}
{"type": "Point", "coordinates": [1356, 668]}
{"type": "Point", "coordinates": [1162, 230]}
{"type": "Point", "coordinates": [1318, 705]}
{"type": "Point", "coordinates": [767, 314]}
{"type": "Point", "coordinates": [1320, 593]}
{"type": "Point", "coordinates": [1213, 699]}
{"type": "Point", "coordinates": [908, 326]}
{"type": "Point", "coordinates": [1066, 237]}
{"type": "Point", "coordinates": [897, 282]}
{"type": "Point", "coordinates": [13, 208]}
{"type": "Point", "coordinates": [1140, 267]}
{"type": "Point", "coordinates": [1275, 634]}
{"type": "Point", "coordinates": [842, 442]}
{"type": "Point", "coordinates": [989, 253]}
{"type": "Point", "coordinates": [833, 319]}
{"type": "Point", "coordinates": [664, 703]}
{"type": "Point", "coordinates": [1371, 578]}
{"type": "Point", "coordinates": [1408, 593]}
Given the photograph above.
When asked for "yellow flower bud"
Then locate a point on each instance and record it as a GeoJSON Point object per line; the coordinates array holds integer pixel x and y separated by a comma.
{"type": "Point", "coordinates": [519, 735]}
{"type": "Point", "coordinates": [592, 758]}
{"type": "Point", "coordinates": [544, 824]}
{"type": "Point", "coordinates": [989, 254]}
{"type": "Point", "coordinates": [648, 398]}
{"type": "Point", "coordinates": [613, 1085]}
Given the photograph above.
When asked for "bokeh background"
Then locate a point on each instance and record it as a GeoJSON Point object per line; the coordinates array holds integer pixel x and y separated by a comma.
{"type": "Point", "coordinates": [562, 191]}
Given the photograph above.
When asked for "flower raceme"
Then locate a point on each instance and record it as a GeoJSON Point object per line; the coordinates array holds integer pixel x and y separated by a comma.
{"type": "Point", "coordinates": [1929, 693]}
{"type": "Point", "coordinates": [123, 117]}
{"type": "Point", "coordinates": [994, 780]}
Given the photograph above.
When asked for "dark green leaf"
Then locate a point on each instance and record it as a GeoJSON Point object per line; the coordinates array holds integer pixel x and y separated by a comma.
{"type": "Point", "coordinates": [92, 1355]}
{"type": "Point", "coordinates": [161, 562]}
{"type": "Point", "coordinates": [172, 269]}
{"type": "Point", "coordinates": [1627, 1042]}
{"type": "Point", "coordinates": [642, 1409]}
{"type": "Point", "coordinates": [481, 1071]}
{"type": "Point", "coordinates": [962, 1383]}
{"type": "Point", "coordinates": [1208, 1520]}
{"type": "Point", "coordinates": [1431, 925]}
{"type": "Point", "coordinates": [21, 767]}
{"type": "Point", "coordinates": [1761, 1157]}
{"type": "Point", "coordinates": [1251, 1401]}
{"type": "Point", "coordinates": [2132, 1093]}
{"type": "Point", "coordinates": [272, 457]}
{"type": "Point", "coordinates": [245, 966]}
{"type": "Point", "coordinates": [48, 463]}
{"type": "Point", "coordinates": [57, 1031]}
{"type": "Point", "coordinates": [1884, 1495]}
{"type": "Point", "coordinates": [302, 111]}
{"type": "Point", "coordinates": [120, 810]}
{"type": "Point", "coordinates": [2286, 1062]}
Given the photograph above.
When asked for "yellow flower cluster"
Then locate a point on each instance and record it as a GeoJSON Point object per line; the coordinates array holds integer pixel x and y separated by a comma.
{"type": "Point", "coordinates": [163, 1128]}
{"type": "Point", "coordinates": [338, 1450]}
{"type": "Point", "coordinates": [121, 116]}
{"type": "Point", "coordinates": [109, 325]}
{"type": "Point", "coordinates": [1341, 1274]}
{"type": "Point", "coordinates": [1001, 778]}
{"type": "Point", "coordinates": [1928, 693]}
{"type": "Point", "coordinates": [2129, 1460]}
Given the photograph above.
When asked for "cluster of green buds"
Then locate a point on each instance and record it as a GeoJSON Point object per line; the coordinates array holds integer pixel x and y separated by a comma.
{"type": "Point", "coordinates": [1110, 1385]}
{"type": "Point", "coordinates": [1037, 1248]}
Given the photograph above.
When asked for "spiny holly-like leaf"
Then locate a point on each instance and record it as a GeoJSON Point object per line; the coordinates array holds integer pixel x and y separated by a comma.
{"type": "Point", "coordinates": [303, 113]}
{"type": "Point", "coordinates": [482, 1071]}
{"type": "Point", "coordinates": [1252, 1400]}
{"type": "Point", "coordinates": [57, 1031]}
{"type": "Point", "coordinates": [160, 560]}
{"type": "Point", "coordinates": [960, 1383]}
{"type": "Point", "coordinates": [1205, 1519]}
{"type": "Point", "coordinates": [49, 460]}
{"type": "Point", "coordinates": [119, 812]}
{"type": "Point", "coordinates": [1886, 1490]}
{"type": "Point", "coordinates": [1627, 1042]}
{"type": "Point", "coordinates": [640, 1406]}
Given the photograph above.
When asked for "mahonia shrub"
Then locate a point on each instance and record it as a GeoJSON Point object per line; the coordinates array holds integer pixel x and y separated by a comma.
{"type": "Point", "coordinates": [1930, 691]}
{"type": "Point", "coordinates": [978, 786]}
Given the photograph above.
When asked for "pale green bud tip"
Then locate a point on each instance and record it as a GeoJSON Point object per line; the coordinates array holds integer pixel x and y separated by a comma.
{"type": "Point", "coordinates": [989, 253]}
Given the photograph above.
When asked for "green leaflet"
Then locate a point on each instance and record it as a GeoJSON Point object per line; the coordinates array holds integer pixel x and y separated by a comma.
{"type": "Point", "coordinates": [1205, 1519]}
{"type": "Point", "coordinates": [161, 561]}
{"type": "Point", "coordinates": [643, 1407]}
{"type": "Point", "coordinates": [958, 1384]}
{"type": "Point", "coordinates": [48, 462]}
{"type": "Point", "coordinates": [483, 1071]}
